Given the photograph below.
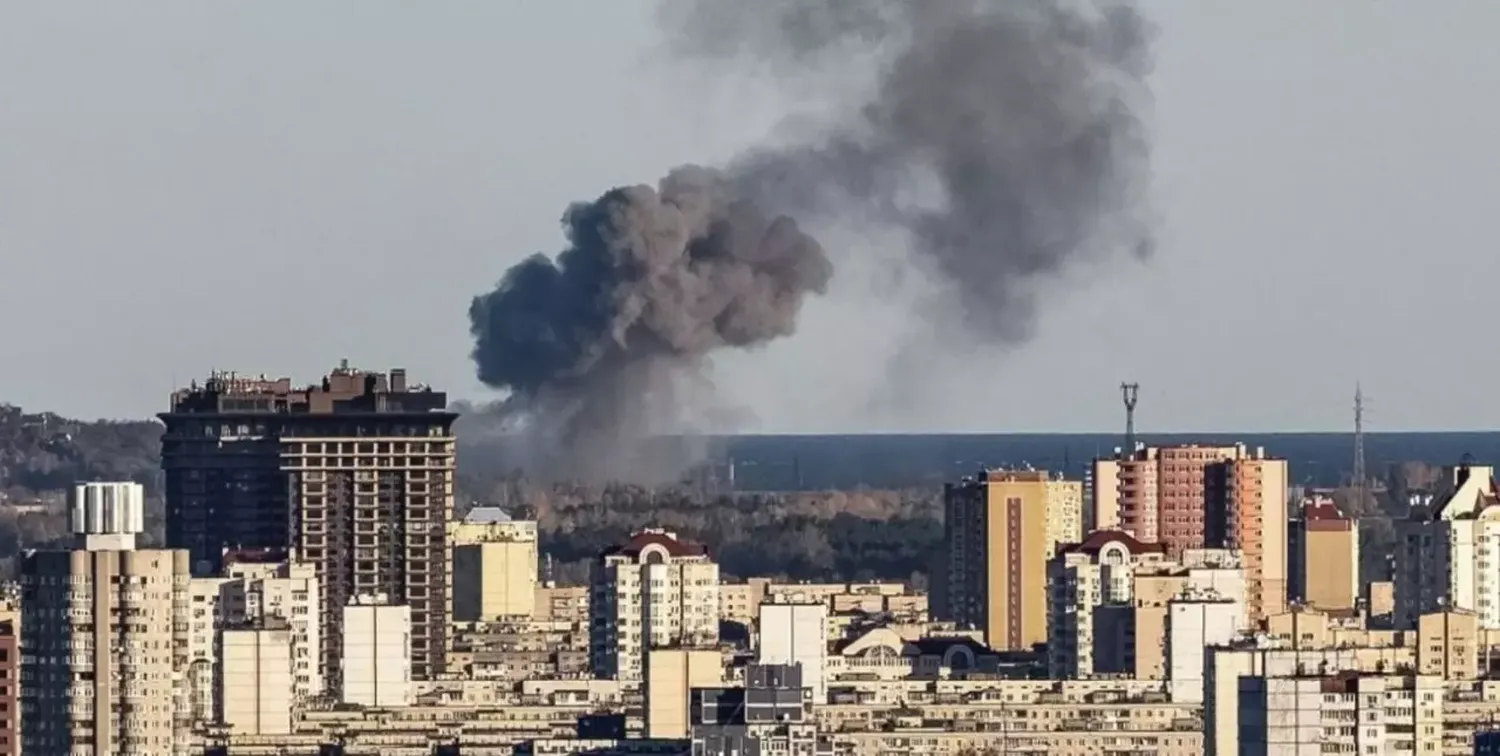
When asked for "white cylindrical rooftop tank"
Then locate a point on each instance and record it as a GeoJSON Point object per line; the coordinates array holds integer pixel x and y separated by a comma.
{"type": "Point", "coordinates": [108, 509]}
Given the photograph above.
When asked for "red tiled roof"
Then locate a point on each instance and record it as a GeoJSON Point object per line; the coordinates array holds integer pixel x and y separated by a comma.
{"type": "Point", "coordinates": [1097, 540]}
{"type": "Point", "coordinates": [1322, 510]}
{"type": "Point", "coordinates": [640, 541]}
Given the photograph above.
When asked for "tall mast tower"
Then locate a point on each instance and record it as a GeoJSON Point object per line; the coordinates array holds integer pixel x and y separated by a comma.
{"type": "Point", "coordinates": [1130, 392]}
{"type": "Point", "coordinates": [1359, 446]}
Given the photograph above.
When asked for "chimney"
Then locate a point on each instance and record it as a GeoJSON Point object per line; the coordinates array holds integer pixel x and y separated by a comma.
{"type": "Point", "coordinates": [398, 380]}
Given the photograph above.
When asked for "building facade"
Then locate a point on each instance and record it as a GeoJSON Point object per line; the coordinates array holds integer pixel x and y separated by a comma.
{"type": "Point", "coordinates": [106, 662]}
{"type": "Point", "coordinates": [1323, 558]}
{"type": "Point", "coordinates": [995, 557]}
{"type": "Point", "coordinates": [353, 475]}
{"type": "Point", "coordinates": [654, 591]}
{"type": "Point", "coordinates": [377, 649]}
{"type": "Point", "coordinates": [1092, 584]}
{"type": "Point", "coordinates": [494, 566]}
{"type": "Point", "coordinates": [1446, 551]}
{"type": "Point", "coordinates": [796, 634]}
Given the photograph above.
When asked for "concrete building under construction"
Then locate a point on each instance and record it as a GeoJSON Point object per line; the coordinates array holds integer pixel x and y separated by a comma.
{"type": "Point", "coordinates": [354, 475]}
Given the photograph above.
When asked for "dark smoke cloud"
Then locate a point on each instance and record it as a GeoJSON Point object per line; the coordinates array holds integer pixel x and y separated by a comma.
{"type": "Point", "coordinates": [601, 345]}
{"type": "Point", "coordinates": [1022, 113]}
{"type": "Point", "coordinates": [1000, 140]}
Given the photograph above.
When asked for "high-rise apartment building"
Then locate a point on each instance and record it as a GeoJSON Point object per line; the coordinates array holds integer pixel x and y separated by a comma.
{"type": "Point", "coordinates": [105, 635]}
{"type": "Point", "coordinates": [1163, 494]}
{"type": "Point", "coordinates": [1082, 578]}
{"type": "Point", "coordinates": [1446, 552]}
{"type": "Point", "coordinates": [494, 566]}
{"type": "Point", "coordinates": [1255, 516]}
{"type": "Point", "coordinates": [997, 538]}
{"type": "Point", "coordinates": [654, 591]}
{"type": "Point", "coordinates": [1191, 497]}
{"type": "Point", "coordinates": [254, 588]}
{"type": "Point", "coordinates": [353, 475]}
{"type": "Point", "coordinates": [1064, 514]}
{"type": "Point", "coordinates": [1323, 557]}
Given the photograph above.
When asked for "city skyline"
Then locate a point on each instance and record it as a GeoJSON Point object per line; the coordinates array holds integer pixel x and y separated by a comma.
{"type": "Point", "coordinates": [166, 180]}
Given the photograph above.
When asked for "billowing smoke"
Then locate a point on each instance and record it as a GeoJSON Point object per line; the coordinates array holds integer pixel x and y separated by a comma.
{"type": "Point", "coordinates": [602, 346]}
{"type": "Point", "coordinates": [1002, 137]}
{"type": "Point", "coordinates": [1000, 141]}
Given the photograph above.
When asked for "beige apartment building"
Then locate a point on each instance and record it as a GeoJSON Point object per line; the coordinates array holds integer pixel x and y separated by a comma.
{"type": "Point", "coordinates": [105, 634]}
{"type": "Point", "coordinates": [1255, 514]}
{"type": "Point", "coordinates": [1100, 571]}
{"type": "Point", "coordinates": [1323, 557]}
{"type": "Point", "coordinates": [254, 587]}
{"type": "Point", "coordinates": [654, 591]}
{"type": "Point", "coordinates": [1113, 611]}
{"type": "Point", "coordinates": [106, 652]}
{"type": "Point", "coordinates": [256, 688]}
{"type": "Point", "coordinates": [494, 566]}
{"type": "Point", "coordinates": [1339, 713]}
{"type": "Point", "coordinates": [998, 530]}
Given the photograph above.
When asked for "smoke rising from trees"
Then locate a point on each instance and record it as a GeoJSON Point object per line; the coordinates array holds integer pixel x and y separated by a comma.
{"type": "Point", "coordinates": [1000, 141]}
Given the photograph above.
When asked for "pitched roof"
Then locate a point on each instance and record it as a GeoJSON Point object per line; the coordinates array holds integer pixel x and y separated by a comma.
{"type": "Point", "coordinates": [641, 540]}
{"type": "Point", "coordinates": [1097, 540]}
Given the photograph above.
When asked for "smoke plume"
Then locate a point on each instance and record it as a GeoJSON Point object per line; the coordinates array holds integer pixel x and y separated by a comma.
{"type": "Point", "coordinates": [1018, 117]}
{"type": "Point", "coordinates": [1000, 141]}
{"type": "Point", "coordinates": [602, 346]}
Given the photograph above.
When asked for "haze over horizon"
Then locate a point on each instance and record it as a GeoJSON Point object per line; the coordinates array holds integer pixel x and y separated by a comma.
{"type": "Point", "coordinates": [175, 199]}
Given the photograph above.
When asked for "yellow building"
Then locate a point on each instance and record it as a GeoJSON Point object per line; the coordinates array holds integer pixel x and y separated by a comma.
{"type": "Point", "coordinates": [997, 540]}
{"type": "Point", "coordinates": [671, 676]}
{"type": "Point", "coordinates": [494, 566]}
{"type": "Point", "coordinates": [1327, 557]}
{"type": "Point", "coordinates": [1255, 512]}
{"type": "Point", "coordinates": [1064, 514]}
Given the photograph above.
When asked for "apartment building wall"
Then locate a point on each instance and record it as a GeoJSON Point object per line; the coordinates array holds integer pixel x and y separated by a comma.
{"type": "Point", "coordinates": [1162, 494]}
{"type": "Point", "coordinates": [494, 566]}
{"type": "Point", "coordinates": [106, 660]}
{"type": "Point", "coordinates": [1195, 623]}
{"type": "Point", "coordinates": [1102, 511]}
{"type": "Point", "coordinates": [1064, 514]}
{"type": "Point", "coordinates": [654, 591]}
{"type": "Point", "coordinates": [256, 687]}
{"type": "Point", "coordinates": [796, 634]}
{"type": "Point", "coordinates": [1088, 584]}
{"type": "Point", "coordinates": [1348, 713]}
{"type": "Point", "coordinates": [568, 603]}
{"type": "Point", "coordinates": [377, 653]}
{"type": "Point", "coordinates": [1256, 516]}
{"type": "Point", "coordinates": [1330, 559]}
{"type": "Point", "coordinates": [353, 475]}
{"type": "Point", "coordinates": [995, 565]}
{"type": "Point", "coordinates": [10, 680]}
{"type": "Point", "coordinates": [1439, 550]}
{"type": "Point", "coordinates": [671, 676]}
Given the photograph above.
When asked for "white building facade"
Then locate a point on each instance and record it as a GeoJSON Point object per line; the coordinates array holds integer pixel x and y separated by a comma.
{"type": "Point", "coordinates": [655, 591]}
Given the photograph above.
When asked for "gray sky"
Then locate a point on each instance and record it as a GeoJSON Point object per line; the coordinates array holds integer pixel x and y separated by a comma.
{"type": "Point", "coordinates": [274, 185]}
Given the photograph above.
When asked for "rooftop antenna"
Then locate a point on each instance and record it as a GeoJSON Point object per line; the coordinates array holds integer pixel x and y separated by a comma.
{"type": "Point", "coordinates": [1130, 393]}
